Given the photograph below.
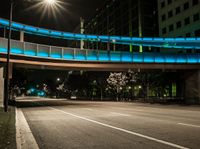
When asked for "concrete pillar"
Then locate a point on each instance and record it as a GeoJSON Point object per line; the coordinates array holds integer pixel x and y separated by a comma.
{"type": "Point", "coordinates": [192, 87]}
{"type": "Point", "coordinates": [22, 36]}
{"type": "Point", "coordinates": [1, 86]}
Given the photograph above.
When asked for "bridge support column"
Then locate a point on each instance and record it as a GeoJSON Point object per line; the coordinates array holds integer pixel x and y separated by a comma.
{"type": "Point", "coordinates": [192, 87]}
{"type": "Point", "coordinates": [1, 86]}
{"type": "Point", "coordinates": [22, 36]}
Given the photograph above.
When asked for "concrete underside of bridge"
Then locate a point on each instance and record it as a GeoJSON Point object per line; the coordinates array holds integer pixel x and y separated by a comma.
{"type": "Point", "coordinates": [189, 85]}
{"type": "Point", "coordinates": [33, 62]}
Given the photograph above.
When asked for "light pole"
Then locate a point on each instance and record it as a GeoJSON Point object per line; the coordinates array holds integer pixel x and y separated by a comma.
{"type": "Point", "coordinates": [7, 81]}
{"type": "Point", "coordinates": [7, 71]}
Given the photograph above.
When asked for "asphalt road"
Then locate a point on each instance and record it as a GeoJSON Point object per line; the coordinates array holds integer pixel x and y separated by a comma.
{"type": "Point", "coordinates": [62, 124]}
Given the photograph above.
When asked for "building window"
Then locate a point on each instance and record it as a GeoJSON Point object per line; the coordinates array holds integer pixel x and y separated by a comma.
{"type": "Point", "coordinates": [196, 17]}
{"type": "Point", "coordinates": [187, 21]}
{"type": "Point", "coordinates": [170, 14]}
{"type": "Point", "coordinates": [195, 2]}
{"type": "Point", "coordinates": [186, 6]}
{"type": "Point", "coordinates": [163, 4]}
{"type": "Point", "coordinates": [188, 35]}
{"type": "Point", "coordinates": [164, 30]}
{"type": "Point", "coordinates": [178, 10]}
{"type": "Point", "coordinates": [169, 1]}
{"type": "Point", "coordinates": [197, 33]}
{"type": "Point", "coordinates": [178, 24]}
{"type": "Point", "coordinates": [171, 27]}
{"type": "Point", "coordinates": [163, 17]}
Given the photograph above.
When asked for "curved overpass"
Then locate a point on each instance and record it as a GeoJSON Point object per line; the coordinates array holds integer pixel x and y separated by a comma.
{"type": "Point", "coordinates": [26, 54]}
{"type": "Point", "coordinates": [178, 43]}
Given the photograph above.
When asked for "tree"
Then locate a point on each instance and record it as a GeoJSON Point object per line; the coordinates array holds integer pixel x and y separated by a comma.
{"type": "Point", "coordinates": [116, 82]}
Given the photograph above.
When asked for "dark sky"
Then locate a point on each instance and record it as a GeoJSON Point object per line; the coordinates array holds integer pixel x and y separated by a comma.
{"type": "Point", "coordinates": [66, 21]}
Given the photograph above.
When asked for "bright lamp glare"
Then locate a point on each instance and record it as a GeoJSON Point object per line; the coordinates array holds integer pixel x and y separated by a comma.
{"type": "Point", "coordinates": [50, 2]}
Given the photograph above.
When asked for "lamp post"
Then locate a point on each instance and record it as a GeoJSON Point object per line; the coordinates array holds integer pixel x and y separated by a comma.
{"type": "Point", "coordinates": [7, 71]}
{"type": "Point", "coordinates": [7, 81]}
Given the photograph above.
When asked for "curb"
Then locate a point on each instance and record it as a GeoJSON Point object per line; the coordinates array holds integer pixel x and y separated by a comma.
{"type": "Point", "coordinates": [24, 136]}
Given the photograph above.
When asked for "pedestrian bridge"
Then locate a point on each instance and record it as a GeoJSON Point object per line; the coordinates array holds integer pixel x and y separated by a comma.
{"type": "Point", "coordinates": [26, 53]}
{"type": "Point", "coordinates": [178, 43]}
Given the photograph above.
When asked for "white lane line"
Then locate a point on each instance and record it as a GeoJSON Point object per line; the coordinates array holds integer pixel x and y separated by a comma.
{"type": "Point", "coordinates": [89, 109]}
{"type": "Point", "coordinates": [190, 125]}
{"type": "Point", "coordinates": [124, 130]}
{"type": "Point", "coordinates": [120, 114]}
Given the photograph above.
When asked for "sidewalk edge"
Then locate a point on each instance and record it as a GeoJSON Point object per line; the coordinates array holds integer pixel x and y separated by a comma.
{"type": "Point", "coordinates": [24, 136]}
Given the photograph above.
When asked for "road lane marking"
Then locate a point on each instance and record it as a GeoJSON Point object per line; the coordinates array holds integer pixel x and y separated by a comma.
{"type": "Point", "coordinates": [190, 125]}
{"type": "Point", "coordinates": [124, 130]}
{"type": "Point", "coordinates": [120, 114]}
{"type": "Point", "coordinates": [89, 109]}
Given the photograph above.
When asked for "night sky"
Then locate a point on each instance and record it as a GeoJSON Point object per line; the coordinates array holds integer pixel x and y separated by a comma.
{"type": "Point", "coordinates": [67, 20]}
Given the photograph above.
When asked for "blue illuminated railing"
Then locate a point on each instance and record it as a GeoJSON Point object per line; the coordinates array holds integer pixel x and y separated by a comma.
{"type": "Point", "coordinates": [51, 52]}
{"type": "Point", "coordinates": [179, 43]}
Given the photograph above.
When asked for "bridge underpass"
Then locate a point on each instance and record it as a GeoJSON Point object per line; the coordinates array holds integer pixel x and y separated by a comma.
{"type": "Point", "coordinates": [31, 55]}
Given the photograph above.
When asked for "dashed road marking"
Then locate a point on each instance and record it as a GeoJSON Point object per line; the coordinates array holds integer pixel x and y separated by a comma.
{"type": "Point", "coordinates": [190, 125]}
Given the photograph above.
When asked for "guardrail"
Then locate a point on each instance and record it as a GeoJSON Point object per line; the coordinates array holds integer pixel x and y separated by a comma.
{"type": "Point", "coordinates": [62, 53]}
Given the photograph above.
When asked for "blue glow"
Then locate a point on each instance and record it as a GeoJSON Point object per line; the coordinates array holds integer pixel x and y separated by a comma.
{"type": "Point", "coordinates": [68, 35]}
{"type": "Point", "coordinates": [126, 57]}
{"type": "Point", "coordinates": [68, 56]}
{"type": "Point", "coordinates": [30, 52]}
{"type": "Point", "coordinates": [170, 59]}
{"type": "Point", "coordinates": [80, 57]}
{"type": "Point", "coordinates": [56, 33]}
{"type": "Point", "coordinates": [104, 37]}
{"type": "Point", "coordinates": [3, 50]}
{"type": "Point", "coordinates": [148, 58]}
{"type": "Point", "coordinates": [181, 59]}
{"type": "Point", "coordinates": [126, 38]}
{"type": "Point", "coordinates": [92, 37]}
{"type": "Point", "coordinates": [54, 55]}
{"type": "Point", "coordinates": [43, 31]}
{"type": "Point", "coordinates": [115, 38]}
{"type": "Point", "coordinates": [103, 56]}
{"type": "Point", "coordinates": [30, 28]}
{"type": "Point", "coordinates": [17, 25]}
{"type": "Point", "coordinates": [159, 59]}
{"type": "Point", "coordinates": [80, 36]}
{"type": "Point", "coordinates": [138, 58]}
{"type": "Point", "coordinates": [16, 51]}
{"type": "Point", "coordinates": [43, 54]}
{"type": "Point", "coordinates": [4, 22]}
{"type": "Point", "coordinates": [136, 39]}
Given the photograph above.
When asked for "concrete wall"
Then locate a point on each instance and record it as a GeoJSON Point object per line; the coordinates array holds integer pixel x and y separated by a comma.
{"type": "Point", "coordinates": [1, 86]}
{"type": "Point", "coordinates": [192, 87]}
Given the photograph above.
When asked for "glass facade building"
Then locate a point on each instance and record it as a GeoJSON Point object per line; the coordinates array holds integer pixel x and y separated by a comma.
{"type": "Point", "coordinates": [135, 18]}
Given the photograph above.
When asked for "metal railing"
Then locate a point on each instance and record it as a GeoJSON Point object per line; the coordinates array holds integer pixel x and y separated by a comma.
{"type": "Point", "coordinates": [64, 53]}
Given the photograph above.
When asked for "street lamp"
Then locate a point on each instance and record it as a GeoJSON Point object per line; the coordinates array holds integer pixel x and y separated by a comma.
{"type": "Point", "coordinates": [7, 81]}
